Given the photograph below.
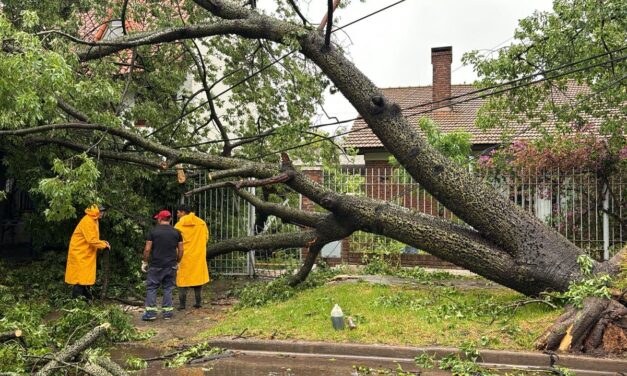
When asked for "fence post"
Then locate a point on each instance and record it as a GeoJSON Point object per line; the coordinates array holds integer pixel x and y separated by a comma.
{"type": "Point", "coordinates": [606, 222]}
{"type": "Point", "coordinates": [251, 232]}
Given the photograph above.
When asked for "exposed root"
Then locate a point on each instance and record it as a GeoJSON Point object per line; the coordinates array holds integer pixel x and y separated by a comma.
{"type": "Point", "coordinates": [598, 328]}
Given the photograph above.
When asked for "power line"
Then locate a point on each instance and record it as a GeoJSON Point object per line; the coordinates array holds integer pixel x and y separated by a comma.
{"type": "Point", "coordinates": [368, 15]}
{"type": "Point", "coordinates": [252, 75]}
{"type": "Point", "coordinates": [456, 103]}
{"type": "Point", "coordinates": [430, 103]}
{"type": "Point", "coordinates": [446, 100]}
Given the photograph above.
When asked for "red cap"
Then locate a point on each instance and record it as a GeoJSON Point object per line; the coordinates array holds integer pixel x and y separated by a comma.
{"type": "Point", "coordinates": [163, 214]}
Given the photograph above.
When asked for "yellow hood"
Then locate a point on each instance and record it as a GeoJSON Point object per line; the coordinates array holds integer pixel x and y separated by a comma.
{"type": "Point", "coordinates": [190, 220]}
{"type": "Point", "coordinates": [93, 211]}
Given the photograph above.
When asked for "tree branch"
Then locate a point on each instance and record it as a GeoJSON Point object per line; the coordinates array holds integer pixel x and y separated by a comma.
{"type": "Point", "coordinates": [327, 36]}
{"type": "Point", "coordinates": [281, 178]}
{"type": "Point", "coordinates": [202, 73]}
{"type": "Point", "coordinates": [328, 15]}
{"type": "Point", "coordinates": [229, 11]}
{"type": "Point", "coordinates": [105, 154]}
{"type": "Point", "coordinates": [130, 136]}
{"type": "Point", "coordinates": [239, 172]}
{"type": "Point", "coordinates": [310, 219]}
{"type": "Point", "coordinates": [274, 241]}
{"type": "Point", "coordinates": [248, 28]}
{"type": "Point", "coordinates": [70, 351]}
{"type": "Point", "coordinates": [298, 12]}
{"type": "Point", "coordinates": [310, 260]}
{"type": "Point", "coordinates": [123, 16]}
{"type": "Point", "coordinates": [71, 110]}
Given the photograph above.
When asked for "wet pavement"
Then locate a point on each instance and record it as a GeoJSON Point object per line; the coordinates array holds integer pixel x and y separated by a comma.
{"type": "Point", "coordinates": [271, 364]}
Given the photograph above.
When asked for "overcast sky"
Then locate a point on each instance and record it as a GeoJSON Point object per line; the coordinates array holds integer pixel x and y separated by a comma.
{"type": "Point", "coordinates": [393, 48]}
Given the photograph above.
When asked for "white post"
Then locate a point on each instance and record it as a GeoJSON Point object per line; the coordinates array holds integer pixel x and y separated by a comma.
{"type": "Point", "coordinates": [251, 232]}
{"type": "Point", "coordinates": [606, 222]}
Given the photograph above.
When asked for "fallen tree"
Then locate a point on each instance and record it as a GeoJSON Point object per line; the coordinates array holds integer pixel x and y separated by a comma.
{"type": "Point", "coordinates": [501, 241]}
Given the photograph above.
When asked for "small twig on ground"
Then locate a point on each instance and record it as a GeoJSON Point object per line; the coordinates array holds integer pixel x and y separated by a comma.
{"type": "Point", "coordinates": [519, 304]}
{"type": "Point", "coordinates": [241, 335]}
{"type": "Point", "coordinates": [167, 356]}
{"type": "Point", "coordinates": [134, 303]}
{"type": "Point", "coordinates": [205, 359]}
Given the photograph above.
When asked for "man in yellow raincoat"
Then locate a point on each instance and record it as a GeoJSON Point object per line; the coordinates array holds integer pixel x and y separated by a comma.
{"type": "Point", "coordinates": [80, 270]}
{"type": "Point", "coordinates": [193, 270]}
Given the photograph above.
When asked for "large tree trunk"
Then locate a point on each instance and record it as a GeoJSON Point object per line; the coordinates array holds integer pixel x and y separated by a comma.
{"type": "Point", "coordinates": [549, 258]}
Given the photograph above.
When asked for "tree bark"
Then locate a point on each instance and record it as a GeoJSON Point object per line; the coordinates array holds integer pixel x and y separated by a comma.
{"type": "Point", "coordinates": [111, 366]}
{"type": "Point", "coordinates": [308, 264]}
{"type": "Point", "coordinates": [596, 329]}
{"type": "Point", "coordinates": [96, 370]}
{"type": "Point", "coordinates": [7, 336]}
{"type": "Point", "coordinates": [76, 348]}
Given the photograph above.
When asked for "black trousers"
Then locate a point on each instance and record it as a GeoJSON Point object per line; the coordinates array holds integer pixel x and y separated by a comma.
{"type": "Point", "coordinates": [81, 290]}
{"type": "Point", "coordinates": [183, 296]}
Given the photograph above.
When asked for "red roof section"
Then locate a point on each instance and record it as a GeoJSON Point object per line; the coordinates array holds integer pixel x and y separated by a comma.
{"type": "Point", "coordinates": [461, 117]}
{"type": "Point", "coordinates": [94, 28]}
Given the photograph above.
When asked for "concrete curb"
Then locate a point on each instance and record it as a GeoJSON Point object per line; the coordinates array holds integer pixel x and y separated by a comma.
{"type": "Point", "coordinates": [579, 364]}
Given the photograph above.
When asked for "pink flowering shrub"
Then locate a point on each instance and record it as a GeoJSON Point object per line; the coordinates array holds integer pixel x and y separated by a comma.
{"type": "Point", "coordinates": [577, 152]}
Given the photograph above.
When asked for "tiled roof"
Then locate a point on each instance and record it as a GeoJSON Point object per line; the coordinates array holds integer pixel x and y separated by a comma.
{"type": "Point", "coordinates": [461, 118]}
{"type": "Point", "coordinates": [94, 28]}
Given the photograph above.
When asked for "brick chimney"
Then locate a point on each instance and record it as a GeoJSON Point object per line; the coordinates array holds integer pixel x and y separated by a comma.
{"type": "Point", "coordinates": [441, 59]}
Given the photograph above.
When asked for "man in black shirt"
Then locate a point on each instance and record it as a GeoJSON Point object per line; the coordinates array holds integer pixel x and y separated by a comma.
{"type": "Point", "coordinates": [166, 244]}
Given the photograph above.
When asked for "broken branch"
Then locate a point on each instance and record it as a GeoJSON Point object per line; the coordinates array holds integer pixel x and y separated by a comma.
{"type": "Point", "coordinates": [70, 351]}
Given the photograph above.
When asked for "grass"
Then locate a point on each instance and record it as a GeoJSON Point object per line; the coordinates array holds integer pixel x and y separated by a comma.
{"type": "Point", "coordinates": [432, 315]}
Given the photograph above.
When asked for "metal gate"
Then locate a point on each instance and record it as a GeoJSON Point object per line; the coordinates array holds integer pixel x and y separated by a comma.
{"type": "Point", "coordinates": [229, 216]}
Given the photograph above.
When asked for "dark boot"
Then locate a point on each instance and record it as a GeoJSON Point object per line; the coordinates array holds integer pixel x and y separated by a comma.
{"type": "Point", "coordinates": [198, 296]}
{"type": "Point", "coordinates": [182, 297]}
{"type": "Point", "coordinates": [87, 293]}
{"type": "Point", "coordinates": [77, 291]}
{"type": "Point", "coordinates": [80, 291]}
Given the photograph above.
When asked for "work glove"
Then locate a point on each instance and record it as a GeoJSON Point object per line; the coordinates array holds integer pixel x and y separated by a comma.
{"type": "Point", "coordinates": [144, 266]}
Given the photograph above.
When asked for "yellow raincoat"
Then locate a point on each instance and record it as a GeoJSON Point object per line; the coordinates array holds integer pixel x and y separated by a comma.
{"type": "Point", "coordinates": [84, 244]}
{"type": "Point", "coordinates": [193, 267]}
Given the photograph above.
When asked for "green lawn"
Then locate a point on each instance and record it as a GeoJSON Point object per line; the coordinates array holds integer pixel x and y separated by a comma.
{"type": "Point", "coordinates": [395, 315]}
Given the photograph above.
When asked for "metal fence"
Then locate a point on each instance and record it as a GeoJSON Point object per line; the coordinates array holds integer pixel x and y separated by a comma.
{"type": "Point", "coordinates": [583, 206]}
{"type": "Point", "coordinates": [230, 216]}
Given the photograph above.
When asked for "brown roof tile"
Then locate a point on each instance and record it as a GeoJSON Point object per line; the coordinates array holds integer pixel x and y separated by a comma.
{"type": "Point", "coordinates": [461, 118]}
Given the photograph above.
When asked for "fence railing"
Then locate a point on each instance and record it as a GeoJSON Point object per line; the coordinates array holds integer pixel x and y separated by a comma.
{"type": "Point", "coordinates": [585, 207]}
{"type": "Point", "coordinates": [230, 216]}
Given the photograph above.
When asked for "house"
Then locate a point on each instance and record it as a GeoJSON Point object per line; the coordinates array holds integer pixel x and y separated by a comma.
{"type": "Point", "coordinates": [450, 107]}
